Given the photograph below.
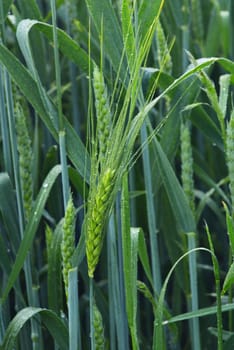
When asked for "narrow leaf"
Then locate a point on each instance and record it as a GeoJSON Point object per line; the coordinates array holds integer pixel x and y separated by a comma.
{"type": "Point", "coordinates": [144, 257]}
{"type": "Point", "coordinates": [31, 229]}
{"type": "Point", "coordinates": [206, 311]}
{"type": "Point", "coordinates": [148, 12]}
{"type": "Point", "coordinates": [128, 32]}
{"type": "Point", "coordinates": [176, 196]}
{"type": "Point", "coordinates": [69, 47]}
{"type": "Point", "coordinates": [230, 227]}
{"type": "Point", "coordinates": [54, 271]}
{"type": "Point", "coordinates": [229, 279]}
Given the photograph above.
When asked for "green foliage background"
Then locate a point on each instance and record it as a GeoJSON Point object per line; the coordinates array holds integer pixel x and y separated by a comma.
{"type": "Point", "coordinates": [167, 66]}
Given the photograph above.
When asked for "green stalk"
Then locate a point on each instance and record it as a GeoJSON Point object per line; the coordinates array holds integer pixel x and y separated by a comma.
{"type": "Point", "coordinates": [91, 318]}
{"type": "Point", "coordinates": [73, 315]}
{"type": "Point", "coordinates": [194, 291]}
{"type": "Point", "coordinates": [62, 134]}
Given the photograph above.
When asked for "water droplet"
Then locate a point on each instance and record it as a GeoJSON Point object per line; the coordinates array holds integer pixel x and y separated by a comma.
{"type": "Point", "coordinates": [45, 185]}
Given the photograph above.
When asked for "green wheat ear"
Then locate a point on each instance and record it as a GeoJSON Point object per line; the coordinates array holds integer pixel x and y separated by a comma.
{"type": "Point", "coordinates": [68, 240]}
{"type": "Point", "coordinates": [143, 289]}
{"type": "Point", "coordinates": [230, 157]}
{"type": "Point", "coordinates": [97, 214]}
{"type": "Point", "coordinates": [163, 52]}
{"type": "Point", "coordinates": [25, 160]}
{"type": "Point", "coordinates": [49, 238]}
{"type": "Point", "coordinates": [187, 165]}
{"type": "Point", "coordinates": [99, 337]}
{"type": "Point", "coordinates": [103, 112]}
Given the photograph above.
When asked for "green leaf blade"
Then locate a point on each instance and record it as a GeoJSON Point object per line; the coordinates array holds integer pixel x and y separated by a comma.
{"type": "Point", "coordinates": [31, 228]}
{"type": "Point", "coordinates": [55, 326]}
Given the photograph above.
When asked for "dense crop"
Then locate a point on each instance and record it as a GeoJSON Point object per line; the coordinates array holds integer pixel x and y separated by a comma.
{"type": "Point", "coordinates": [116, 174]}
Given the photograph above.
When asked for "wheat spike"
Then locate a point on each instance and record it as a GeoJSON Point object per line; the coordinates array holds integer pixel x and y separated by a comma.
{"type": "Point", "coordinates": [25, 161]}
{"type": "Point", "coordinates": [187, 165]}
{"type": "Point", "coordinates": [102, 110]}
{"type": "Point", "coordinates": [99, 337]}
{"type": "Point", "coordinates": [98, 207]}
{"type": "Point", "coordinates": [67, 246]}
{"type": "Point", "coordinates": [164, 57]}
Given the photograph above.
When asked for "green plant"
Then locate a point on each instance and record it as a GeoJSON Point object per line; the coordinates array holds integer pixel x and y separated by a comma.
{"type": "Point", "coordinates": [131, 103]}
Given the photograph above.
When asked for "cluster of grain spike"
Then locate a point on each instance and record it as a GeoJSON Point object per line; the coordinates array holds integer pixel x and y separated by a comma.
{"type": "Point", "coordinates": [101, 189]}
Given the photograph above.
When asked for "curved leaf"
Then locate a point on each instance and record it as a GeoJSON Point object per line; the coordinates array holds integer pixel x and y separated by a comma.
{"type": "Point", "coordinates": [75, 148]}
{"type": "Point", "coordinates": [158, 342]}
{"type": "Point", "coordinates": [52, 322]}
{"type": "Point", "coordinates": [67, 45]}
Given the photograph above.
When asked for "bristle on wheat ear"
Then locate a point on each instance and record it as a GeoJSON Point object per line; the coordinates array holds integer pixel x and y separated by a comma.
{"type": "Point", "coordinates": [98, 208]}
